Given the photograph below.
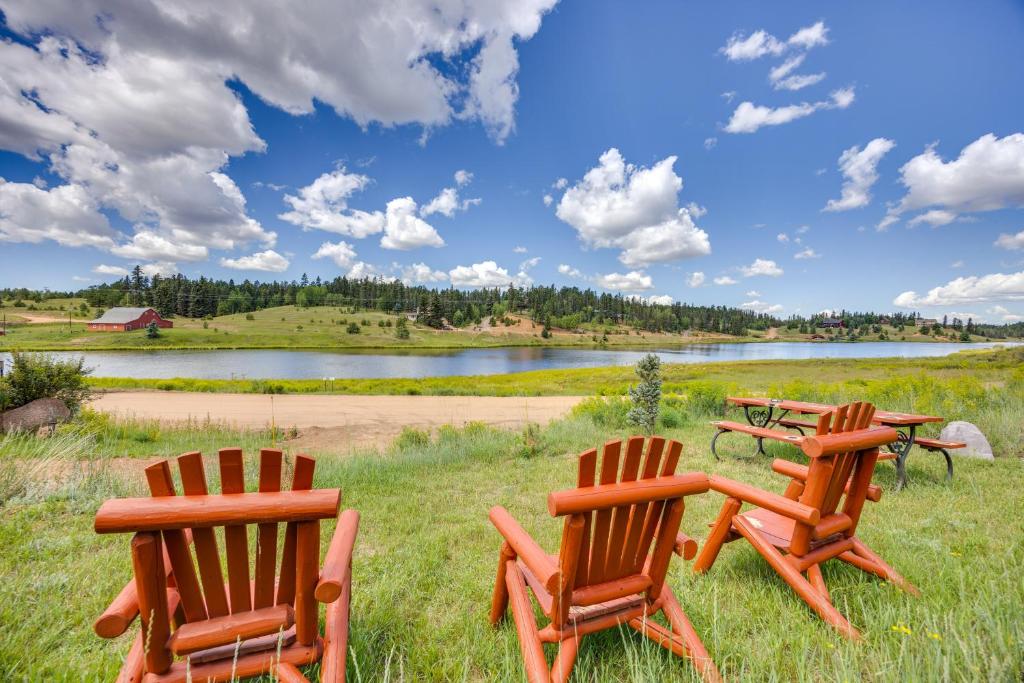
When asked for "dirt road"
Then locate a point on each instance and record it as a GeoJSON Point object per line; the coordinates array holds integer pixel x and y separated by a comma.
{"type": "Point", "coordinates": [336, 423]}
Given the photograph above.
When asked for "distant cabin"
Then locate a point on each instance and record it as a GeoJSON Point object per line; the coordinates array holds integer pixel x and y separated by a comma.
{"type": "Point", "coordinates": [832, 322]}
{"type": "Point", "coordinates": [126, 319]}
{"type": "Point", "coordinates": [926, 321]}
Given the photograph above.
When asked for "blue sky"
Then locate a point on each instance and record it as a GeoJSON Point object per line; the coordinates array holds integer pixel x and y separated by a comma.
{"type": "Point", "coordinates": [804, 156]}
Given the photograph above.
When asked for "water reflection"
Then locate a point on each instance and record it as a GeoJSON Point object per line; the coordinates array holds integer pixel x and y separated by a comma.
{"type": "Point", "coordinates": [362, 363]}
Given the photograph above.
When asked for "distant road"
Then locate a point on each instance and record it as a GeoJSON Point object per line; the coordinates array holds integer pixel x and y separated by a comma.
{"type": "Point", "coordinates": [336, 423]}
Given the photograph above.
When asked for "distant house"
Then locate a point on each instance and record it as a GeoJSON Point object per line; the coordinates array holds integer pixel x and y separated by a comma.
{"type": "Point", "coordinates": [832, 322]}
{"type": "Point", "coordinates": [885, 320]}
{"type": "Point", "coordinates": [125, 319]}
{"type": "Point", "coordinates": [926, 321]}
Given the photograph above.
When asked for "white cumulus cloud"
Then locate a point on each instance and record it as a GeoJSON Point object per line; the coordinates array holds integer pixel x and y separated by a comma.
{"type": "Point", "coordinates": [634, 209]}
{"type": "Point", "coordinates": [968, 290]}
{"type": "Point", "coordinates": [483, 274]}
{"type": "Point", "coordinates": [323, 205]}
{"type": "Point", "coordinates": [421, 273]}
{"type": "Point", "coordinates": [268, 261]}
{"type": "Point", "coordinates": [987, 175]}
{"type": "Point", "coordinates": [761, 267]}
{"type": "Point", "coordinates": [341, 253]}
{"type": "Point", "coordinates": [696, 279]}
{"type": "Point", "coordinates": [749, 117]}
{"type": "Point", "coordinates": [104, 269]}
{"type": "Point", "coordinates": [404, 230]}
{"type": "Point", "coordinates": [633, 281]}
{"type": "Point", "coordinates": [860, 171]}
{"type": "Point", "coordinates": [761, 307]}
{"type": "Point", "coordinates": [1006, 241]}
{"type": "Point", "coordinates": [806, 253]}
{"type": "Point", "coordinates": [724, 280]}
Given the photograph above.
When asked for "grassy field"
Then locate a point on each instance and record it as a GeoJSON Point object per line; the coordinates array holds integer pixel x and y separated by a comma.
{"type": "Point", "coordinates": [426, 554]}
{"type": "Point", "coordinates": [327, 327]}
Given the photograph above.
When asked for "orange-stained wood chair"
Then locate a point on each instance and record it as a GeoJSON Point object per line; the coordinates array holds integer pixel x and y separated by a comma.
{"type": "Point", "coordinates": [618, 537]}
{"type": "Point", "coordinates": [194, 625]}
{"type": "Point", "coordinates": [807, 522]}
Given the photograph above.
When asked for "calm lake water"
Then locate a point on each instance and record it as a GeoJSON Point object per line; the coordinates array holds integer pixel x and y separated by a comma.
{"type": "Point", "coordinates": [284, 364]}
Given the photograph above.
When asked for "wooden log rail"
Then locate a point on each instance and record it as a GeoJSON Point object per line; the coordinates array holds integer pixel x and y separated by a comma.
{"type": "Point", "coordinates": [766, 499]}
{"type": "Point", "coordinates": [181, 512]}
{"type": "Point", "coordinates": [605, 496]}
{"type": "Point", "coordinates": [817, 446]}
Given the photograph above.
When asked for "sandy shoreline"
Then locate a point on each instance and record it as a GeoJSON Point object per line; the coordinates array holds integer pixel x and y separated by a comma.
{"type": "Point", "coordinates": [332, 422]}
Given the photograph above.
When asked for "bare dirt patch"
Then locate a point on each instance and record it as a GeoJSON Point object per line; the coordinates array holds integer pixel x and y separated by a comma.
{"type": "Point", "coordinates": [333, 423]}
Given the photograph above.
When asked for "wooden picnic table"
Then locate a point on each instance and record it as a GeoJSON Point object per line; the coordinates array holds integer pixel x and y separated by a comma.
{"type": "Point", "coordinates": [770, 413]}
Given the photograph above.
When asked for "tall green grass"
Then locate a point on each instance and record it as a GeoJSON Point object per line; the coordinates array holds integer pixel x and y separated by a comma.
{"type": "Point", "coordinates": [426, 553]}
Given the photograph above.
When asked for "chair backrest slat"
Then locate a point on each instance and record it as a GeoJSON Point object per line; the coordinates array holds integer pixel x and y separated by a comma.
{"type": "Point", "coordinates": [266, 535]}
{"type": "Point", "coordinates": [622, 514]}
{"type": "Point", "coordinates": [602, 518]}
{"type": "Point", "coordinates": [302, 480]}
{"type": "Point", "coordinates": [193, 482]}
{"type": "Point", "coordinates": [158, 476]}
{"type": "Point", "coordinates": [586, 473]}
{"type": "Point", "coordinates": [236, 541]}
{"type": "Point", "coordinates": [652, 511]}
{"type": "Point", "coordinates": [638, 513]}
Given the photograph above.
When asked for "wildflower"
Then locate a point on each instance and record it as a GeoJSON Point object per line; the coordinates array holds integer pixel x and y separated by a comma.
{"type": "Point", "coordinates": [955, 553]}
{"type": "Point", "coordinates": [934, 636]}
{"type": "Point", "coordinates": [900, 628]}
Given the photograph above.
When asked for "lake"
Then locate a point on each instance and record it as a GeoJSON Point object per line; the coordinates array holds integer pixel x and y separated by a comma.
{"type": "Point", "coordinates": [349, 363]}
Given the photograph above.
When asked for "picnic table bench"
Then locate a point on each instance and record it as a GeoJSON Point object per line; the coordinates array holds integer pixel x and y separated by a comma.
{"type": "Point", "coordinates": [765, 415]}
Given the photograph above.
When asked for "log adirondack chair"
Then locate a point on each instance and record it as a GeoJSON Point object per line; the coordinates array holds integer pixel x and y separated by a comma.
{"type": "Point", "coordinates": [195, 626]}
{"type": "Point", "coordinates": [619, 533]}
{"type": "Point", "coordinates": [806, 521]}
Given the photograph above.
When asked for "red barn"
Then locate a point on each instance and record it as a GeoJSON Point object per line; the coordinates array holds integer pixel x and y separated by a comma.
{"type": "Point", "coordinates": [125, 319]}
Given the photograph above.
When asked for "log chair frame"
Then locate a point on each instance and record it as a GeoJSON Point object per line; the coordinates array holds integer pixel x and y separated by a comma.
{"type": "Point", "coordinates": [619, 533]}
{"type": "Point", "coordinates": [226, 630]}
{"type": "Point", "coordinates": [797, 531]}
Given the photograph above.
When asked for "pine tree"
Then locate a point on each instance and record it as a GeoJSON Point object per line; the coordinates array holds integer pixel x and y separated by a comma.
{"type": "Point", "coordinates": [646, 395]}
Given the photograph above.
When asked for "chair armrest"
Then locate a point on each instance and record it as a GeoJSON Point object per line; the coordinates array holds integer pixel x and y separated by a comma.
{"type": "Point", "coordinates": [760, 432]}
{"type": "Point", "coordinates": [526, 548]}
{"type": "Point", "coordinates": [685, 547]}
{"type": "Point", "coordinates": [337, 570]}
{"type": "Point", "coordinates": [766, 499]}
{"type": "Point", "coordinates": [799, 472]}
{"type": "Point", "coordinates": [122, 611]}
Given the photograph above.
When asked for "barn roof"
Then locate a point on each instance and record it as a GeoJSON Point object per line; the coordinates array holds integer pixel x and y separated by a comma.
{"type": "Point", "coordinates": [121, 315]}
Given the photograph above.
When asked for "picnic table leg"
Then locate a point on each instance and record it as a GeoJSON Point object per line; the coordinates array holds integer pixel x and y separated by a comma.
{"type": "Point", "coordinates": [902, 448]}
{"type": "Point", "coordinates": [759, 417]}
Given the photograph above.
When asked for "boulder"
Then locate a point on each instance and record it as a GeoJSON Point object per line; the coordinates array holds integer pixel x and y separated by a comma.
{"type": "Point", "coordinates": [977, 445]}
{"type": "Point", "coordinates": [32, 416]}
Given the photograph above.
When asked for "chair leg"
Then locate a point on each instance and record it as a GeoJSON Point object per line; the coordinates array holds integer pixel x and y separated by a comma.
{"type": "Point", "coordinates": [794, 578]}
{"type": "Point", "coordinates": [891, 574]}
{"type": "Point", "coordinates": [131, 670]}
{"type": "Point", "coordinates": [818, 581]}
{"type": "Point", "coordinates": [565, 659]}
{"type": "Point", "coordinates": [499, 602]}
{"type": "Point", "coordinates": [682, 627]}
{"type": "Point", "coordinates": [719, 532]}
{"type": "Point", "coordinates": [526, 625]}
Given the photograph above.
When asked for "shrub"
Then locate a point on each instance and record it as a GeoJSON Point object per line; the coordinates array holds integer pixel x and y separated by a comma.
{"type": "Point", "coordinates": [152, 331]}
{"type": "Point", "coordinates": [38, 375]}
{"type": "Point", "coordinates": [250, 316]}
{"type": "Point", "coordinates": [352, 328]}
{"type": "Point", "coordinates": [609, 413]}
{"type": "Point", "coordinates": [646, 396]}
{"type": "Point", "coordinates": [410, 438]}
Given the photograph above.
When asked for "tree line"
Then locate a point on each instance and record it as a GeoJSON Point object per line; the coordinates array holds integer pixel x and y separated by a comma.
{"type": "Point", "coordinates": [568, 308]}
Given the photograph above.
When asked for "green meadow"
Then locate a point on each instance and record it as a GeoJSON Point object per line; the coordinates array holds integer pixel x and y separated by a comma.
{"type": "Point", "coordinates": [328, 327]}
{"type": "Point", "coordinates": [426, 553]}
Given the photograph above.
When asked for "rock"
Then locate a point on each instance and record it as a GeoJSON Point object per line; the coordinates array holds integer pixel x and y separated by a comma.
{"type": "Point", "coordinates": [32, 416]}
{"type": "Point", "coordinates": [977, 445]}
